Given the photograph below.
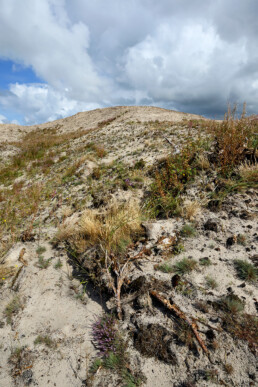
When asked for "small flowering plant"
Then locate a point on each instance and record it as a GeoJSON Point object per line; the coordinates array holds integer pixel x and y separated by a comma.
{"type": "Point", "coordinates": [105, 335]}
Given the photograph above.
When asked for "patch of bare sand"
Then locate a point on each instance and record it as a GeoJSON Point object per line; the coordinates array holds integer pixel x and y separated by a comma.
{"type": "Point", "coordinates": [91, 119]}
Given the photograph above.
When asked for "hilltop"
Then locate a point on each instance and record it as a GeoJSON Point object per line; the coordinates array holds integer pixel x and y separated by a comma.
{"type": "Point", "coordinates": [143, 222]}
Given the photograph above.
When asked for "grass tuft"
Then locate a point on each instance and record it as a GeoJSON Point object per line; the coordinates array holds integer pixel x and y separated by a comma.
{"type": "Point", "coordinates": [12, 308]}
{"type": "Point", "coordinates": [112, 230]}
{"type": "Point", "coordinates": [187, 231]}
{"type": "Point", "coordinates": [211, 283]}
{"type": "Point", "coordinates": [245, 270]}
{"type": "Point", "coordinates": [184, 266]}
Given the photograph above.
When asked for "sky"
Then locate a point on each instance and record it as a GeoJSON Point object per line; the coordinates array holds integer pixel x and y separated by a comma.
{"type": "Point", "coordinates": [60, 57]}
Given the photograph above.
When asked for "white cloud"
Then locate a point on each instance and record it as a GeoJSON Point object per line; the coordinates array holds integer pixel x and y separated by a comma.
{"type": "Point", "coordinates": [40, 34]}
{"type": "Point", "coordinates": [3, 119]}
{"type": "Point", "coordinates": [190, 55]}
{"type": "Point", "coordinates": [39, 103]}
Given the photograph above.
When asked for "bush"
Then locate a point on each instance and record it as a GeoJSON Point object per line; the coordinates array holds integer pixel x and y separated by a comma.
{"type": "Point", "coordinates": [232, 137]}
{"type": "Point", "coordinates": [171, 178]}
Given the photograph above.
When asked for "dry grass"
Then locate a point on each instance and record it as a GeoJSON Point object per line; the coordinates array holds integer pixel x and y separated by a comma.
{"type": "Point", "coordinates": [190, 209]}
{"type": "Point", "coordinates": [202, 162]}
{"type": "Point", "coordinates": [248, 172]}
{"type": "Point", "coordinates": [112, 230]}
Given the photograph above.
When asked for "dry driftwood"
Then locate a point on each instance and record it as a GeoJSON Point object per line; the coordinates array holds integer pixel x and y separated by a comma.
{"type": "Point", "coordinates": [180, 314]}
{"type": "Point", "coordinates": [121, 272]}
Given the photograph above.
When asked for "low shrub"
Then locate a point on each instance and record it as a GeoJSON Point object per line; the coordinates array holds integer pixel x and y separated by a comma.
{"type": "Point", "coordinates": [245, 270]}
{"type": "Point", "coordinates": [186, 265]}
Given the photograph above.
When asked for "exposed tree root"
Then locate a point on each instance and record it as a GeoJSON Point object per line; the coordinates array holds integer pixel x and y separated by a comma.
{"type": "Point", "coordinates": [180, 314]}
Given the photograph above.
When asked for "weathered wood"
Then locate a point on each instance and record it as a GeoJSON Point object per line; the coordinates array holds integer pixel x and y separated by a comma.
{"type": "Point", "coordinates": [180, 314]}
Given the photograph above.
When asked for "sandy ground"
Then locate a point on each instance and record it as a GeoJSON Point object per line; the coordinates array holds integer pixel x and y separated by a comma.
{"type": "Point", "coordinates": [90, 119]}
{"type": "Point", "coordinates": [53, 304]}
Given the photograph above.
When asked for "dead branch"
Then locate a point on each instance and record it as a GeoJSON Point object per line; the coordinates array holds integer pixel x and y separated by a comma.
{"type": "Point", "coordinates": [180, 314]}
{"type": "Point", "coordinates": [120, 277]}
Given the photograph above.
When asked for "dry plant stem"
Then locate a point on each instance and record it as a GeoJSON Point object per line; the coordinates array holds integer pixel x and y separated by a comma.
{"type": "Point", "coordinates": [120, 276]}
{"type": "Point", "coordinates": [179, 313]}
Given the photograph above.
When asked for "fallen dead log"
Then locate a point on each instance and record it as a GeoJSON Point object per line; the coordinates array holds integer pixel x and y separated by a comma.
{"type": "Point", "coordinates": [180, 314]}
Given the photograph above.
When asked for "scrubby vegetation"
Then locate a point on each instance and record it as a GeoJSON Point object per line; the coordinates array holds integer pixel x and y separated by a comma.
{"type": "Point", "coordinates": [99, 206]}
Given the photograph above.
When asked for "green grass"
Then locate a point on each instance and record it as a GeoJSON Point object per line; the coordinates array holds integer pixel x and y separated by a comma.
{"type": "Point", "coordinates": [205, 261]}
{"type": "Point", "coordinates": [242, 239]}
{"type": "Point", "coordinates": [58, 265]}
{"type": "Point", "coordinates": [211, 283]}
{"type": "Point", "coordinates": [46, 340]}
{"type": "Point", "coordinates": [187, 231]}
{"type": "Point", "coordinates": [232, 304]}
{"type": "Point", "coordinates": [245, 270]}
{"type": "Point", "coordinates": [12, 308]}
{"type": "Point", "coordinates": [184, 266]}
{"type": "Point", "coordinates": [43, 263]}
{"type": "Point", "coordinates": [40, 250]}
{"type": "Point", "coordinates": [165, 268]}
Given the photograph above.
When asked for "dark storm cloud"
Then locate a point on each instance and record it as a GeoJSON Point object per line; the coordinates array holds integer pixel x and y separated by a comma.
{"type": "Point", "coordinates": [193, 56]}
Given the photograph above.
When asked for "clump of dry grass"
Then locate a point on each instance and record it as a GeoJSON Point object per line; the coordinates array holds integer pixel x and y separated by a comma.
{"type": "Point", "coordinates": [248, 172]}
{"type": "Point", "coordinates": [190, 209]}
{"type": "Point", "coordinates": [111, 230]}
{"type": "Point", "coordinates": [202, 162]}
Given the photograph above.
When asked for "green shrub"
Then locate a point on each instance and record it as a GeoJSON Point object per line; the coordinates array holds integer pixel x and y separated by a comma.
{"type": "Point", "coordinates": [165, 268]}
{"type": "Point", "coordinates": [187, 231]}
{"type": "Point", "coordinates": [245, 270]}
{"type": "Point", "coordinates": [184, 266]}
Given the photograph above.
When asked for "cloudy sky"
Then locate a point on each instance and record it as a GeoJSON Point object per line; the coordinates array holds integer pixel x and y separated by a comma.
{"type": "Point", "coordinates": [58, 57]}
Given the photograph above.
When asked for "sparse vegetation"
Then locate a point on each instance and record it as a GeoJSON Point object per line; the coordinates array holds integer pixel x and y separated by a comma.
{"type": "Point", "coordinates": [190, 209]}
{"type": "Point", "coordinates": [58, 264]}
{"type": "Point", "coordinates": [40, 250]}
{"type": "Point", "coordinates": [91, 202]}
{"type": "Point", "coordinates": [184, 266]}
{"type": "Point", "coordinates": [205, 261]}
{"type": "Point", "coordinates": [232, 137]}
{"type": "Point", "coordinates": [211, 282]}
{"type": "Point", "coordinates": [241, 239]}
{"type": "Point", "coordinates": [245, 270]}
{"type": "Point", "coordinates": [228, 368]}
{"type": "Point", "coordinates": [46, 340]}
{"type": "Point", "coordinates": [112, 230]}
{"type": "Point", "coordinates": [188, 231]}
{"type": "Point", "coordinates": [43, 263]}
{"type": "Point", "coordinates": [14, 306]}
{"type": "Point", "coordinates": [171, 177]}
{"type": "Point", "coordinates": [112, 349]}
{"type": "Point", "coordinates": [165, 268]}
{"type": "Point", "coordinates": [232, 304]}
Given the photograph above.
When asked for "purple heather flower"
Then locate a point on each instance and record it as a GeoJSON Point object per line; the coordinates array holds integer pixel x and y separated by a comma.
{"type": "Point", "coordinates": [104, 333]}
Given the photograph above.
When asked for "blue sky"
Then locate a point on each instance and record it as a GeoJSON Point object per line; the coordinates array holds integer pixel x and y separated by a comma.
{"type": "Point", "coordinates": [12, 72]}
{"type": "Point", "coordinates": [59, 57]}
